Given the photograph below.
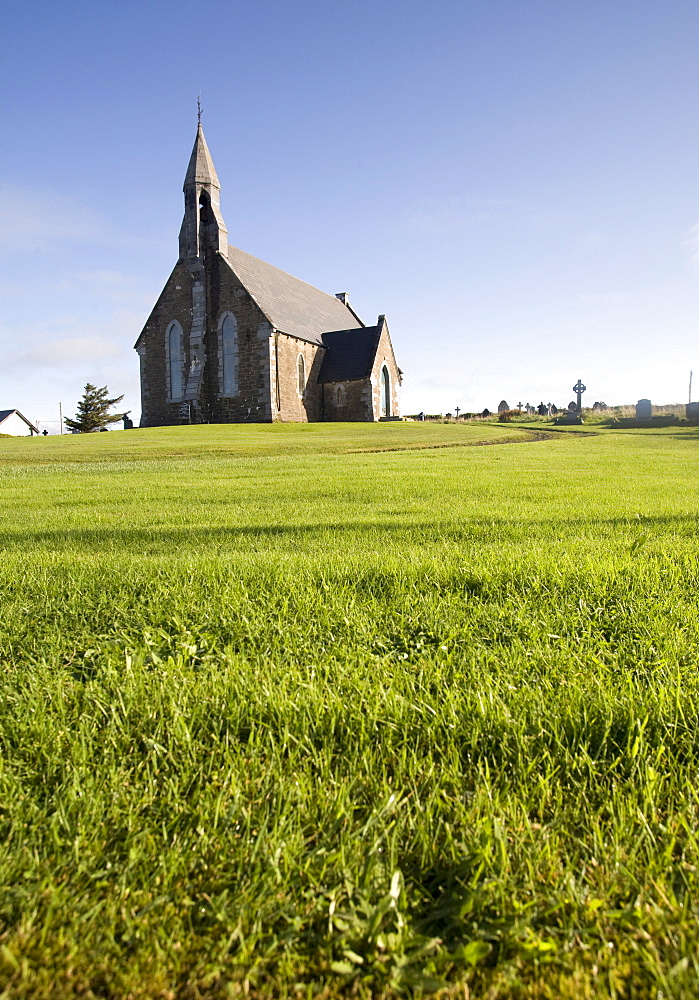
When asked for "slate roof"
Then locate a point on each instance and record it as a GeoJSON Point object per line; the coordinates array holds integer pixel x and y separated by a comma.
{"type": "Point", "coordinates": [4, 414]}
{"type": "Point", "coordinates": [350, 354]}
{"type": "Point", "coordinates": [290, 305]}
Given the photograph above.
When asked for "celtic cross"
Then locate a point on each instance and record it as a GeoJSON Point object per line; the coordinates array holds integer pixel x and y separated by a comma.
{"type": "Point", "coordinates": [579, 388]}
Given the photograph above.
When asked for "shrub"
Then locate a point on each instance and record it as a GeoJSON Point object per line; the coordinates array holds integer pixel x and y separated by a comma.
{"type": "Point", "coordinates": [505, 416]}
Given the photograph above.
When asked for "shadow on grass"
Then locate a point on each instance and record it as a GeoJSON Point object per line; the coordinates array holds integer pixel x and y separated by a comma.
{"type": "Point", "coordinates": [685, 433]}
{"type": "Point", "coordinates": [144, 540]}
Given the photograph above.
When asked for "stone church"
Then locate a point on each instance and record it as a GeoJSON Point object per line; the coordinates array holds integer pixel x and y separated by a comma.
{"type": "Point", "coordinates": [232, 339]}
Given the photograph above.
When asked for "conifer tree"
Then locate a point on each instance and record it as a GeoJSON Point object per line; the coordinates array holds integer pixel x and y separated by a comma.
{"type": "Point", "coordinates": [93, 410]}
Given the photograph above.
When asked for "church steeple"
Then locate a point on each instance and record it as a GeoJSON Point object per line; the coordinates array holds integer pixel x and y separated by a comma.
{"type": "Point", "coordinates": [203, 226]}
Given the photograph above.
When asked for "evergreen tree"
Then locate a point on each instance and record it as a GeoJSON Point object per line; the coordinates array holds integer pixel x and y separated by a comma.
{"type": "Point", "coordinates": [93, 410]}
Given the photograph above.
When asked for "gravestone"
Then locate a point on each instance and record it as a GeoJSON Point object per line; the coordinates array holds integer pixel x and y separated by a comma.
{"type": "Point", "coordinates": [691, 411]}
{"type": "Point", "coordinates": [644, 410]}
{"type": "Point", "coordinates": [572, 415]}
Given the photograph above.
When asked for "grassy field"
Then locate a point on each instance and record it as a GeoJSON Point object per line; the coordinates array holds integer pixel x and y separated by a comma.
{"type": "Point", "coordinates": [360, 710]}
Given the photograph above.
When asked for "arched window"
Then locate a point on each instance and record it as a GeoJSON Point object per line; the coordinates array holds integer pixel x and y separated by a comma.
{"type": "Point", "coordinates": [385, 393]}
{"type": "Point", "coordinates": [301, 367]}
{"type": "Point", "coordinates": [228, 329]}
{"type": "Point", "coordinates": [175, 360]}
{"type": "Point", "coordinates": [340, 396]}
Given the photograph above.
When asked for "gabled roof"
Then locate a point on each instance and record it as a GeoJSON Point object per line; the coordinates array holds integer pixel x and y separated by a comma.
{"type": "Point", "coordinates": [350, 354]}
{"type": "Point", "coordinates": [4, 414]}
{"type": "Point", "coordinates": [290, 305]}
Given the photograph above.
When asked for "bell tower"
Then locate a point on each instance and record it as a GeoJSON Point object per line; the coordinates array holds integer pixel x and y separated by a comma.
{"type": "Point", "coordinates": [203, 233]}
{"type": "Point", "coordinates": [203, 227]}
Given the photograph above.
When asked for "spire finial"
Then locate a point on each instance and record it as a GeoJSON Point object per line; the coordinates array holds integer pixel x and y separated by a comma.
{"type": "Point", "coordinates": [199, 110]}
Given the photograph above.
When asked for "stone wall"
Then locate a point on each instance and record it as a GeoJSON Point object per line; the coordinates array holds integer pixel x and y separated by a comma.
{"type": "Point", "coordinates": [224, 293]}
{"type": "Point", "coordinates": [385, 356]}
{"type": "Point", "coordinates": [267, 362]}
{"type": "Point", "coordinates": [360, 399]}
{"type": "Point", "coordinates": [355, 401]}
{"type": "Point", "coordinates": [253, 401]}
{"type": "Point", "coordinates": [175, 303]}
{"type": "Point", "coordinates": [293, 406]}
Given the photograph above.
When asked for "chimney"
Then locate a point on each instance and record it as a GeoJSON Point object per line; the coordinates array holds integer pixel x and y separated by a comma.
{"type": "Point", "coordinates": [343, 297]}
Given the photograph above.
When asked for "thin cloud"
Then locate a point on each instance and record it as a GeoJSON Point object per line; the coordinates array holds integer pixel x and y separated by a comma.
{"type": "Point", "coordinates": [69, 350]}
{"type": "Point", "coordinates": [107, 278]}
{"type": "Point", "coordinates": [603, 298]}
{"type": "Point", "coordinates": [117, 288]}
{"type": "Point", "coordinates": [121, 297]}
{"type": "Point", "coordinates": [692, 242]}
{"type": "Point", "coordinates": [70, 342]}
{"type": "Point", "coordinates": [40, 221]}
{"type": "Point", "coordinates": [435, 215]}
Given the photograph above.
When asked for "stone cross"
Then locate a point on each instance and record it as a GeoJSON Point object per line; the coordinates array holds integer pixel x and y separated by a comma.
{"type": "Point", "coordinates": [579, 388]}
{"type": "Point", "coordinates": [457, 410]}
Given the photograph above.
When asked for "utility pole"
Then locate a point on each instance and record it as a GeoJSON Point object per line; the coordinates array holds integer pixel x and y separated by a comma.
{"type": "Point", "coordinates": [60, 413]}
{"type": "Point", "coordinates": [690, 386]}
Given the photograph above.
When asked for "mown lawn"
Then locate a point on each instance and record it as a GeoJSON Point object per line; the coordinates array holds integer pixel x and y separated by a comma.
{"type": "Point", "coordinates": [290, 711]}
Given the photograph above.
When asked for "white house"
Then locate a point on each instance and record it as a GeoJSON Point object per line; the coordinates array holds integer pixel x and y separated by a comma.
{"type": "Point", "coordinates": [15, 423]}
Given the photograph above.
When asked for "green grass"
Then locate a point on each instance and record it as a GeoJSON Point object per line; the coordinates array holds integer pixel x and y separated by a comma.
{"type": "Point", "coordinates": [253, 441]}
{"type": "Point", "coordinates": [289, 711]}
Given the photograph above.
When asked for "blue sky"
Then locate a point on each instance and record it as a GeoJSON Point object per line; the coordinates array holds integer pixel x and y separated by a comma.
{"type": "Point", "coordinates": [514, 184]}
